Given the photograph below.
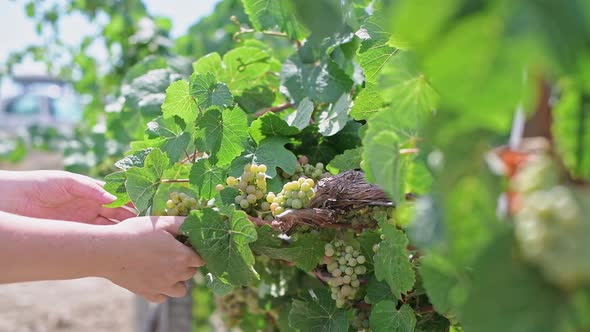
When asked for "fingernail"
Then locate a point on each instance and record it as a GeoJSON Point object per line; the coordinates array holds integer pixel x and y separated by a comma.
{"type": "Point", "coordinates": [109, 197]}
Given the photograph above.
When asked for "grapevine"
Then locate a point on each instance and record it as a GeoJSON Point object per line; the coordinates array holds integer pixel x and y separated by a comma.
{"type": "Point", "coordinates": [354, 165]}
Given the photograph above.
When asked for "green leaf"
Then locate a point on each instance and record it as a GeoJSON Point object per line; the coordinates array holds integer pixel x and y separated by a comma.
{"type": "Point", "coordinates": [391, 261]}
{"type": "Point", "coordinates": [378, 291]}
{"type": "Point", "coordinates": [571, 129]}
{"type": "Point", "coordinates": [367, 103]}
{"type": "Point", "coordinates": [209, 92]}
{"type": "Point", "coordinates": [300, 118]}
{"type": "Point", "coordinates": [516, 296]}
{"type": "Point", "coordinates": [204, 177]}
{"type": "Point", "coordinates": [145, 93]}
{"type": "Point", "coordinates": [270, 152]}
{"type": "Point", "coordinates": [222, 134]}
{"type": "Point", "coordinates": [319, 81]}
{"type": "Point", "coordinates": [374, 59]}
{"type": "Point", "coordinates": [336, 117]}
{"type": "Point", "coordinates": [442, 282]}
{"type": "Point", "coordinates": [136, 159]}
{"type": "Point", "coordinates": [169, 137]}
{"type": "Point", "coordinates": [383, 164]}
{"type": "Point", "coordinates": [386, 318]}
{"type": "Point", "coordinates": [273, 14]}
{"type": "Point", "coordinates": [217, 286]}
{"type": "Point", "coordinates": [270, 124]}
{"type": "Point", "coordinates": [317, 312]}
{"type": "Point", "coordinates": [142, 183]}
{"type": "Point", "coordinates": [256, 98]}
{"type": "Point", "coordinates": [350, 159]}
{"type": "Point", "coordinates": [210, 63]}
{"type": "Point", "coordinates": [432, 322]}
{"type": "Point", "coordinates": [306, 251]}
{"type": "Point", "coordinates": [222, 241]}
{"type": "Point", "coordinates": [179, 102]}
{"type": "Point", "coordinates": [244, 66]}
{"type": "Point", "coordinates": [115, 184]}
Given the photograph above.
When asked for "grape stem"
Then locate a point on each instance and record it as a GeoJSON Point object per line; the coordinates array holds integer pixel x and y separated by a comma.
{"type": "Point", "coordinates": [174, 180]}
{"type": "Point", "coordinates": [274, 109]}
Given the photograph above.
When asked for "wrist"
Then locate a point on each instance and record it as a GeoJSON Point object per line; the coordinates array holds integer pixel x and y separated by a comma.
{"type": "Point", "coordinates": [110, 253]}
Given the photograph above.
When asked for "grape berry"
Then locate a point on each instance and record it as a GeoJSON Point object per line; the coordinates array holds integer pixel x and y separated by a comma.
{"type": "Point", "coordinates": [295, 195]}
{"type": "Point", "coordinates": [346, 264]}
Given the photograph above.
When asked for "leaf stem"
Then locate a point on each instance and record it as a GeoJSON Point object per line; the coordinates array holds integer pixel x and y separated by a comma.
{"type": "Point", "coordinates": [274, 109]}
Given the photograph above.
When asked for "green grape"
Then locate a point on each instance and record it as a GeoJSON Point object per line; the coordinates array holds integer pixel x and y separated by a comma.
{"type": "Point", "coordinates": [170, 204]}
{"type": "Point", "coordinates": [244, 204]}
{"type": "Point", "coordinates": [252, 188]}
{"type": "Point", "coordinates": [181, 204]}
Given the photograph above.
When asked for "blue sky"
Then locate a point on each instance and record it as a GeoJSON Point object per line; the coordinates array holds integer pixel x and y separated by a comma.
{"type": "Point", "coordinates": [17, 30]}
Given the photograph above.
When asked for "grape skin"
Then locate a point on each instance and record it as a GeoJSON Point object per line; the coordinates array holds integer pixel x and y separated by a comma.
{"type": "Point", "coordinates": [344, 283]}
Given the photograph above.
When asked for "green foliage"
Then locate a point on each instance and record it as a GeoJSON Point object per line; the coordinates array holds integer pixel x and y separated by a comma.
{"type": "Point", "coordinates": [420, 96]}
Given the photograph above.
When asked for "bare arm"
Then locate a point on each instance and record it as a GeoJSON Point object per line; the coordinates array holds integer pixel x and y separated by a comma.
{"type": "Point", "coordinates": [140, 254]}
{"type": "Point", "coordinates": [33, 249]}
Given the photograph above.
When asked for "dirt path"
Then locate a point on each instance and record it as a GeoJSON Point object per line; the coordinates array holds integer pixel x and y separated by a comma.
{"type": "Point", "coordinates": [82, 305]}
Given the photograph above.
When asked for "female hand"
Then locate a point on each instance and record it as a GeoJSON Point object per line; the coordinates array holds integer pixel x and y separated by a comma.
{"type": "Point", "coordinates": [149, 261]}
{"type": "Point", "coordinates": [58, 195]}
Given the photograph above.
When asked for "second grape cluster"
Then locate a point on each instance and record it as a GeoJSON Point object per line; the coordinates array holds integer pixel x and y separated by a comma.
{"type": "Point", "coordinates": [346, 264]}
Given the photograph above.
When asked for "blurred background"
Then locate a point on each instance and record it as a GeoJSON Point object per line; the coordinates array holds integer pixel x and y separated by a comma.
{"type": "Point", "coordinates": [61, 65]}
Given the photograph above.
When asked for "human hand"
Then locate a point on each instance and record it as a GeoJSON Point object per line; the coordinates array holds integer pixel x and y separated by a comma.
{"type": "Point", "coordinates": [149, 261]}
{"type": "Point", "coordinates": [59, 195]}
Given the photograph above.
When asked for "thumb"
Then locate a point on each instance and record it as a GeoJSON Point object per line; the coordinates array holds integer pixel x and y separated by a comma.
{"type": "Point", "coordinates": [88, 189]}
{"type": "Point", "coordinates": [171, 224]}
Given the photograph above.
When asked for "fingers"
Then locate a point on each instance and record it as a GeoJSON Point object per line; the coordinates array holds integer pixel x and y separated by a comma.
{"type": "Point", "coordinates": [190, 273]}
{"type": "Point", "coordinates": [87, 188]}
{"type": "Point", "coordinates": [170, 224]}
{"type": "Point", "coordinates": [155, 298]}
{"type": "Point", "coordinates": [179, 289]}
{"type": "Point", "coordinates": [117, 213]}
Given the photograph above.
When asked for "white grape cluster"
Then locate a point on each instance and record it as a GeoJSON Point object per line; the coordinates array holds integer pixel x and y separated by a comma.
{"type": "Point", "coordinates": [252, 187]}
{"type": "Point", "coordinates": [360, 321]}
{"type": "Point", "coordinates": [295, 195]}
{"type": "Point", "coordinates": [549, 224]}
{"type": "Point", "coordinates": [181, 204]}
{"type": "Point", "coordinates": [233, 306]}
{"type": "Point", "coordinates": [346, 264]}
{"type": "Point", "coordinates": [307, 170]}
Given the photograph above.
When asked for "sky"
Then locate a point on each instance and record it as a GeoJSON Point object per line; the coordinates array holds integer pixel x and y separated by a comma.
{"type": "Point", "coordinates": [18, 31]}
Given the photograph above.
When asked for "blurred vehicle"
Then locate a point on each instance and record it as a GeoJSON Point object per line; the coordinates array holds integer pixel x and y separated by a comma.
{"type": "Point", "coordinates": [40, 101]}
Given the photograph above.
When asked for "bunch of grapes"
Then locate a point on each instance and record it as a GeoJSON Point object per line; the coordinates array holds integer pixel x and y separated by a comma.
{"type": "Point", "coordinates": [252, 187]}
{"type": "Point", "coordinates": [549, 224]}
{"type": "Point", "coordinates": [360, 321]}
{"type": "Point", "coordinates": [305, 169]}
{"type": "Point", "coordinates": [181, 204]}
{"type": "Point", "coordinates": [367, 216]}
{"type": "Point", "coordinates": [295, 195]}
{"type": "Point", "coordinates": [233, 306]}
{"type": "Point", "coordinates": [346, 264]}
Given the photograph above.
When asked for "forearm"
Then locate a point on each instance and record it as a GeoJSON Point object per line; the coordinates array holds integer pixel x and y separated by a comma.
{"type": "Point", "coordinates": [37, 249]}
{"type": "Point", "coordinates": [13, 191]}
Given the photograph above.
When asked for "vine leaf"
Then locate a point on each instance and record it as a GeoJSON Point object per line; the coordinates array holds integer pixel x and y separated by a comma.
{"type": "Point", "coordinates": [350, 159]}
{"type": "Point", "coordinates": [270, 152]}
{"type": "Point", "coordinates": [222, 241]}
{"type": "Point", "coordinates": [135, 159]}
{"type": "Point", "coordinates": [305, 251]}
{"type": "Point", "coordinates": [317, 312]}
{"type": "Point", "coordinates": [300, 118]}
{"type": "Point", "coordinates": [270, 124]}
{"type": "Point", "coordinates": [222, 134]}
{"type": "Point", "coordinates": [378, 291]}
{"type": "Point", "coordinates": [320, 81]}
{"type": "Point", "coordinates": [204, 177]}
{"type": "Point", "coordinates": [240, 68]}
{"type": "Point", "coordinates": [167, 135]}
{"type": "Point", "coordinates": [386, 318]}
{"type": "Point", "coordinates": [383, 164]}
{"type": "Point", "coordinates": [180, 103]}
{"type": "Point", "coordinates": [391, 261]}
{"type": "Point", "coordinates": [142, 182]}
{"type": "Point", "coordinates": [217, 286]}
{"type": "Point", "coordinates": [209, 92]}
{"type": "Point", "coordinates": [367, 103]}
{"type": "Point", "coordinates": [144, 94]}
{"type": "Point", "coordinates": [115, 184]}
{"type": "Point", "coordinates": [571, 128]}
{"type": "Point", "coordinates": [272, 14]}
{"type": "Point", "coordinates": [335, 118]}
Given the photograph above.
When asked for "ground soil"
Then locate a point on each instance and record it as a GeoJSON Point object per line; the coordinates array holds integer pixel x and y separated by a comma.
{"type": "Point", "coordinates": [90, 304]}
